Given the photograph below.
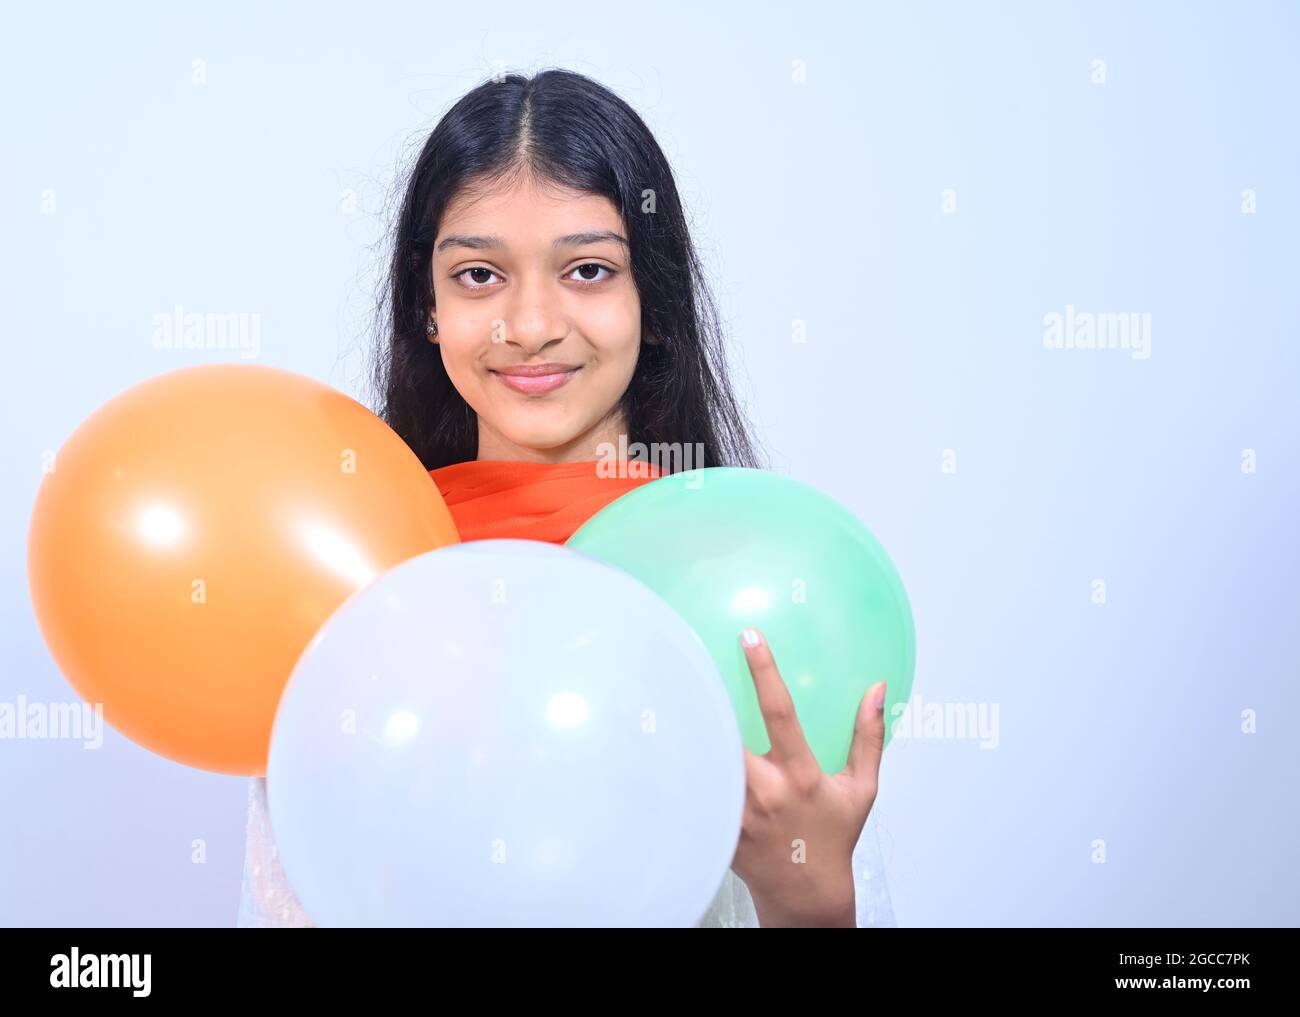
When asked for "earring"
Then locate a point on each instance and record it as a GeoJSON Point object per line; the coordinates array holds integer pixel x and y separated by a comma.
{"type": "Point", "coordinates": [431, 328]}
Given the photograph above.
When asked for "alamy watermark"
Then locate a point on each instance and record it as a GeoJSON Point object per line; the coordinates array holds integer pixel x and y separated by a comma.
{"type": "Point", "coordinates": [215, 330]}
{"type": "Point", "coordinates": [1104, 330]}
{"type": "Point", "coordinates": [946, 721]}
{"type": "Point", "coordinates": [75, 721]}
{"type": "Point", "coordinates": [635, 459]}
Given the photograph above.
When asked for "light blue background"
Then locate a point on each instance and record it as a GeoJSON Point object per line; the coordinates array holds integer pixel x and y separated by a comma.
{"type": "Point", "coordinates": [818, 203]}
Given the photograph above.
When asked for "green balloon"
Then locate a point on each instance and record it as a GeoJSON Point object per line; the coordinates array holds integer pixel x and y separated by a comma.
{"type": "Point", "coordinates": [728, 548]}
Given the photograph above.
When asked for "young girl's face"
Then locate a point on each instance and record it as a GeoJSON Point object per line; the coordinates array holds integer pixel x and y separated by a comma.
{"type": "Point", "coordinates": [526, 277]}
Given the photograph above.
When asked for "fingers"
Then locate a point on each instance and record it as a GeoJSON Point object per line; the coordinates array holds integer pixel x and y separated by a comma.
{"type": "Point", "coordinates": [789, 747]}
{"type": "Point", "coordinates": [863, 767]}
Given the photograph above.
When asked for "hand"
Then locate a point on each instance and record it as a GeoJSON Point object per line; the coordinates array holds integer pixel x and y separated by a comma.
{"type": "Point", "coordinates": [800, 824]}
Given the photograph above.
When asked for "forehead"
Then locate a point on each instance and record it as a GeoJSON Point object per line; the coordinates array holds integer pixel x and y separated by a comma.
{"type": "Point", "coordinates": [524, 210]}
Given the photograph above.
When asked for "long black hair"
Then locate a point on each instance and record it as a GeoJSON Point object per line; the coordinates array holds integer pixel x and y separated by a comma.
{"type": "Point", "coordinates": [568, 130]}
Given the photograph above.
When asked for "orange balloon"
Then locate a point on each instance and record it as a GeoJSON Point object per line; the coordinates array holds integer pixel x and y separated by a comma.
{"type": "Point", "coordinates": [196, 532]}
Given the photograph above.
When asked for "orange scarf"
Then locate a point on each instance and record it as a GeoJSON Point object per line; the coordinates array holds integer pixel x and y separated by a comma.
{"type": "Point", "coordinates": [495, 498]}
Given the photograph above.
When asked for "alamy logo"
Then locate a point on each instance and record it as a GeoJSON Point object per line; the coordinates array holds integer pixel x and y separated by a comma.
{"type": "Point", "coordinates": [949, 721]}
{"type": "Point", "coordinates": [74, 721]}
{"type": "Point", "coordinates": [635, 459]}
{"type": "Point", "coordinates": [216, 330]}
{"type": "Point", "coordinates": [1105, 330]}
{"type": "Point", "coordinates": [101, 971]}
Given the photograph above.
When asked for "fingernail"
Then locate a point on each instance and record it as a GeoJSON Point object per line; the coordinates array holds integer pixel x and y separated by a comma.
{"type": "Point", "coordinates": [750, 637]}
{"type": "Point", "coordinates": [878, 696]}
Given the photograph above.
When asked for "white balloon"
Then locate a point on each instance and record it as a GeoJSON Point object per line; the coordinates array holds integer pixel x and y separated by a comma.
{"type": "Point", "coordinates": [506, 733]}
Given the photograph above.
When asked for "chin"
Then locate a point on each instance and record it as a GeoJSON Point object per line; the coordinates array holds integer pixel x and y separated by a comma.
{"type": "Point", "coordinates": [542, 439]}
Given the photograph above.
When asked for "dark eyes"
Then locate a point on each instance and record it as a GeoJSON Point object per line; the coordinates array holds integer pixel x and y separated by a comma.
{"type": "Point", "coordinates": [480, 276]}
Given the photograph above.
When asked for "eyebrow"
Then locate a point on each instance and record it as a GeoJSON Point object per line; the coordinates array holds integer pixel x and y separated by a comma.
{"type": "Point", "coordinates": [488, 243]}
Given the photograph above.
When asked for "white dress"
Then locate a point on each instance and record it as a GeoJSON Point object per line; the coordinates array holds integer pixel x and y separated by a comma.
{"type": "Point", "coordinates": [267, 901]}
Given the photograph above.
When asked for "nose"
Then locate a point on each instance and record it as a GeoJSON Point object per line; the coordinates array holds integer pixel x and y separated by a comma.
{"type": "Point", "coordinates": [534, 318]}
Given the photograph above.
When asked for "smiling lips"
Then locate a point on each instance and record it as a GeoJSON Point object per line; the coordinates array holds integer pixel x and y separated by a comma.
{"type": "Point", "coordinates": [535, 379]}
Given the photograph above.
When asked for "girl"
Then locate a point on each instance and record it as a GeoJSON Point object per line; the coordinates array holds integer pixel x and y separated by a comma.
{"type": "Point", "coordinates": [545, 307]}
